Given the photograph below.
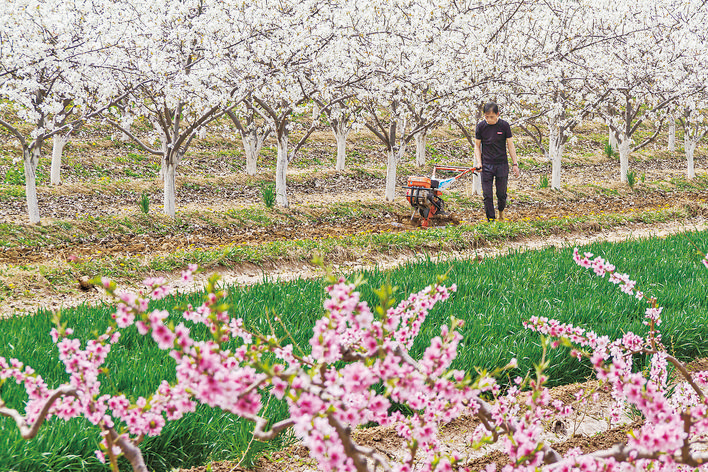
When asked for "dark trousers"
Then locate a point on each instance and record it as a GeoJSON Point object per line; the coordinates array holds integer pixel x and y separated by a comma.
{"type": "Point", "coordinates": [499, 174]}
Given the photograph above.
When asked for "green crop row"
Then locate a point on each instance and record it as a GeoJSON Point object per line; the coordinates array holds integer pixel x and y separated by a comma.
{"type": "Point", "coordinates": [462, 237]}
{"type": "Point", "coordinates": [494, 297]}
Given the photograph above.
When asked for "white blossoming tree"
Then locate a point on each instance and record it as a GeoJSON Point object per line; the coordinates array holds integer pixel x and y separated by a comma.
{"type": "Point", "coordinates": [631, 66]}
{"type": "Point", "coordinates": [254, 130]}
{"type": "Point", "coordinates": [179, 47]}
{"type": "Point", "coordinates": [49, 79]}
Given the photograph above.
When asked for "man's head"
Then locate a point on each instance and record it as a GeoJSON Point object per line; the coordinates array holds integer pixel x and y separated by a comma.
{"type": "Point", "coordinates": [491, 113]}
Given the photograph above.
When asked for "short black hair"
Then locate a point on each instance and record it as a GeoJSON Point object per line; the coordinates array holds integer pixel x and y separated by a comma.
{"type": "Point", "coordinates": [491, 106]}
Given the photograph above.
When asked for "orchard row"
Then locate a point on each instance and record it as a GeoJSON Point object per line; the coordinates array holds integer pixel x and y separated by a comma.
{"type": "Point", "coordinates": [398, 68]}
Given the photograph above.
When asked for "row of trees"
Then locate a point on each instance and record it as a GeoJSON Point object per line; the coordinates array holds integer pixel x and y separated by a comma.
{"type": "Point", "coordinates": [396, 67]}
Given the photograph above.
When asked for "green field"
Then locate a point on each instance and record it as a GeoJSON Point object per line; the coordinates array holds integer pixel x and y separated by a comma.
{"type": "Point", "coordinates": [494, 297]}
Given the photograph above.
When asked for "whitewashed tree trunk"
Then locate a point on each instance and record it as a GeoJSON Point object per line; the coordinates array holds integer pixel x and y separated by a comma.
{"type": "Point", "coordinates": [340, 134]}
{"type": "Point", "coordinates": [58, 143]}
{"type": "Point", "coordinates": [163, 163]}
{"type": "Point", "coordinates": [31, 159]}
{"type": "Point", "coordinates": [624, 148]}
{"type": "Point", "coordinates": [689, 145]}
{"type": "Point", "coordinates": [281, 170]}
{"type": "Point", "coordinates": [169, 187]}
{"type": "Point", "coordinates": [672, 134]}
{"type": "Point", "coordinates": [555, 152]}
{"type": "Point", "coordinates": [420, 142]}
{"type": "Point", "coordinates": [252, 145]}
{"type": "Point", "coordinates": [251, 156]}
{"type": "Point", "coordinates": [613, 140]}
{"type": "Point", "coordinates": [391, 165]}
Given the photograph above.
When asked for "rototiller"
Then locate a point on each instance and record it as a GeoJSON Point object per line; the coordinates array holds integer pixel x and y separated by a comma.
{"type": "Point", "coordinates": [425, 193]}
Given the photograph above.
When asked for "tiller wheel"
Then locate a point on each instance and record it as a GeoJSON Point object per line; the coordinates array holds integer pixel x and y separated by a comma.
{"type": "Point", "coordinates": [425, 193]}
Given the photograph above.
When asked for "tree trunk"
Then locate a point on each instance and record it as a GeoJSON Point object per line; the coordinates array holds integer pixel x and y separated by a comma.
{"type": "Point", "coordinates": [672, 134]}
{"type": "Point", "coordinates": [169, 179]}
{"type": "Point", "coordinates": [341, 132]}
{"type": "Point", "coordinates": [624, 147]}
{"type": "Point", "coordinates": [251, 156]}
{"type": "Point", "coordinates": [689, 145]}
{"type": "Point", "coordinates": [281, 170]}
{"type": "Point", "coordinates": [555, 152]}
{"type": "Point", "coordinates": [58, 143]}
{"type": "Point", "coordinates": [31, 159]}
{"type": "Point", "coordinates": [163, 163]}
{"type": "Point", "coordinates": [391, 164]}
{"type": "Point", "coordinates": [252, 145]}
{"type": "Point", "coordinates": [420, 141]}
{"type": "Point", "coordinates": [341, 137]}
{"type": "Point", "coordinates": [613, 140]}
{"type": "Point", "coordinates": [131, 452]}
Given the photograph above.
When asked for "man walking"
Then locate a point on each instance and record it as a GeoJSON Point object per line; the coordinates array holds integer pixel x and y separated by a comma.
{"type": "Point", "coordinates": [492, 137]}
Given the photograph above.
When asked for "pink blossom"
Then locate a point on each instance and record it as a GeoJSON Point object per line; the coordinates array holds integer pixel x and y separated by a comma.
{"type": "Point", "coordinates": [654, 314]}
{"type": "Point", "coordinates": [143, 327]}
{"type": "Point", "coordinates": [163, 336]}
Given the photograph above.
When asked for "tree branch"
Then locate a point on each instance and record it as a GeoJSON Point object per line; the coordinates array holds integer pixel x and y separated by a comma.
{"type": "Point", "coordinates": [350, 448]}
{"type": "Point", "coordinates": [133, 137]}
{"type": "Point", "coordinates": [623, 453]}
{"type": "Point", "coordinates": [130, 450]}
{"type": "Point", "coordinates": [650, 138]}
{"type": "Point", "coordinates": [14, 131]}
{"type": "Point", "coordinates": [261, 423]}
{"type": "Point", "coordinates": [29, 432]}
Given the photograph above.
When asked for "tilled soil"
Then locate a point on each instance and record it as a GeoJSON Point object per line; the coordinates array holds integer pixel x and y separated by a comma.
{"type": "Point", "coordinates": [209, 236]}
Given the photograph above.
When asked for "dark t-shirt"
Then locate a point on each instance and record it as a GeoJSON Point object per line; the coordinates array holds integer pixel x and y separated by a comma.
{"type": "Point", "coordinates": [493, 139]}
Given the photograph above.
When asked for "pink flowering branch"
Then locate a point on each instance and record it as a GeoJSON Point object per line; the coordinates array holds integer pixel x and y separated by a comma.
{"type": "Point", "coordinates": [260, 431]}
{"type": "Point", "coordinates": [673, 424]}
{"type": "Point", "coordinates": [622, 453]}
{"type": "Point", "coordinates": [123, 423]}
{"type": "Point", "coordinates": [325, 402]}
{"type": "Point", "coordinates": [30, 427]}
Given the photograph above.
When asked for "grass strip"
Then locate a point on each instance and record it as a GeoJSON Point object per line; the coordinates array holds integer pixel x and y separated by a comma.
{"type": "Point", "coordinates": [371, 245]}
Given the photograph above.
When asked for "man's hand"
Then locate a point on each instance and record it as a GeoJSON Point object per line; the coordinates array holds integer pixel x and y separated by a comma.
{"type": "Point", "coordinates": [517, 173]}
